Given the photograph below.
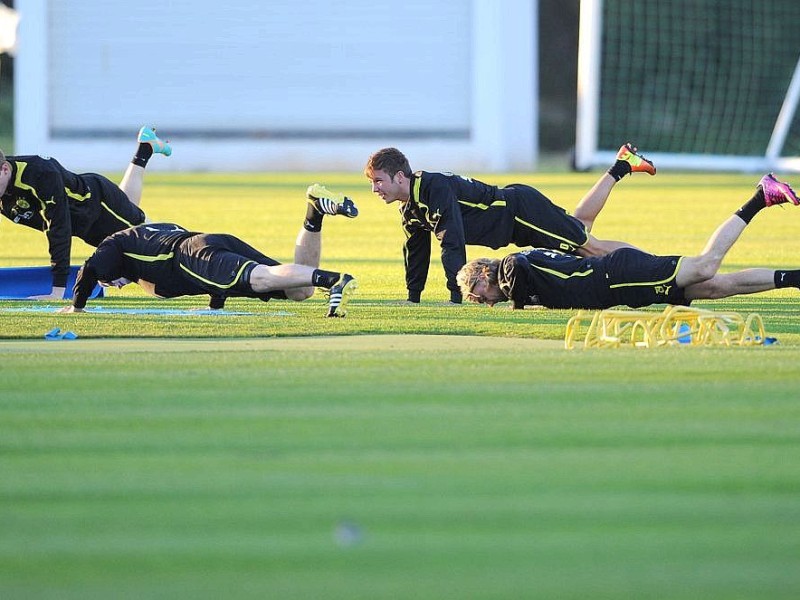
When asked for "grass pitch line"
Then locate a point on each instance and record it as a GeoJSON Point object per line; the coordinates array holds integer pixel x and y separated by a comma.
{"type": "Point", "coordinates": [353, 343]}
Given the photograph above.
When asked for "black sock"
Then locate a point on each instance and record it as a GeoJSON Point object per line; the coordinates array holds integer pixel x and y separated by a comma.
{"type": "Point", "coordinates": [752, 206]}
{"type": "Point", "coordinates": [785, 279]}
{"type": "Point", "coordinates": [143, 154]}
{"type": "Point", "coordinates": [313, 220]}
{"type": "Point", "coordinates": [619, 170]}
{"type": "Point", "coordinates": [324, 279]}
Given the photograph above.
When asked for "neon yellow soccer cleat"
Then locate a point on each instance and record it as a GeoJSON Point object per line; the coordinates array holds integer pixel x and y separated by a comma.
{"type": "Point", "coordinates": [339, 295]}
{"type": "Point", "coordinates": [639, 164]}
{"type": "Point", "coordinates": [330, 203]}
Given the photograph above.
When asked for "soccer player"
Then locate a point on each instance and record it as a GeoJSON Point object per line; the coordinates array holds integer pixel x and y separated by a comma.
{"type": "Point", "coordinates": [459, 211]}
{"type": "Point", "coordinates": [37, 192]}
{"type": "Point", "coordinates": [167, 261]}
{"type": "Point", "coordinates": [629, 276]}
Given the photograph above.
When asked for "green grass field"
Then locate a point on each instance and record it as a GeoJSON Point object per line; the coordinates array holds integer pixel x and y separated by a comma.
{"type": "Point", "coordinates": [285, 455]}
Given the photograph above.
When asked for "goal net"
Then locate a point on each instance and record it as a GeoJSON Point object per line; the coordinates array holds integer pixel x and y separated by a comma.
{"type": "Point", "coordinates": [695, 84]}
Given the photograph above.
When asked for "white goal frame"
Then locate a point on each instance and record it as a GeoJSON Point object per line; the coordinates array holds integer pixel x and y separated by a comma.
{"type": "Point", "coordinates": [589, 155]}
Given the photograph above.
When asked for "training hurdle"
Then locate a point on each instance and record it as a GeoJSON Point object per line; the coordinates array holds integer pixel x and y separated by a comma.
{"type": "Point", "coordinates": [675, 325]}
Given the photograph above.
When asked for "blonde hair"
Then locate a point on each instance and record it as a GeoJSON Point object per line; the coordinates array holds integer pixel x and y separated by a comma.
{"type": "Point", "coordinates": [470, 273]}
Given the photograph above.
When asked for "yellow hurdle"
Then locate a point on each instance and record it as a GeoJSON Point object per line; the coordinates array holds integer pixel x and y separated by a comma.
{"type": "Point", "coordinates": [675, 325]}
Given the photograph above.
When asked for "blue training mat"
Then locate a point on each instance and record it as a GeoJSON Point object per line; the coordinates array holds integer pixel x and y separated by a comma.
{"type": "Point", "coordinates": [19, 283]}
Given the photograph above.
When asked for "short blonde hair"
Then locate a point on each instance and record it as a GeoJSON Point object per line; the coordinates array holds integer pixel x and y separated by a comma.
{"type": "Point", "coordinates": [470, 273]}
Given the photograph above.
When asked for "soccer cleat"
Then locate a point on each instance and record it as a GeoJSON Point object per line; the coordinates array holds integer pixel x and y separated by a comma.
{"type": "Point", "coordinates": [339, 295]}
{"type": "Point", "coordinates": [639, 164]}
{"type": "Point", "coordinates": [330, 203]}
{"type": "Point", "coordinates": [147, 135]}
{"type": "Point", "coordinates": [777, 192]}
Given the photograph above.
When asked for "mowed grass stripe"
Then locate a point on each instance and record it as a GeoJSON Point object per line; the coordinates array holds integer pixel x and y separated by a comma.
{"type": "Point", "coordinates": [547, 468]}
{"type": "Point", "coordinates": [578, 474]}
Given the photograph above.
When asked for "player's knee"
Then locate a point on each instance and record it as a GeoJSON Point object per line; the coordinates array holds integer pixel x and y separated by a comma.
{"type": "Point", "coordinates": [593, 247]}
{"type": "Point", "coordinates": [587, 222]}
{"type": "Point", "coordinates": [300, 294]}
{"type": "Point", "coordinates": [706, 269]}
{"type": "Point", "coordinates": [259, 280]}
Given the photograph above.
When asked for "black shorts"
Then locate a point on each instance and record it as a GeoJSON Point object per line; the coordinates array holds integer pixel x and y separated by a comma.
{"type": "Point", "coordinates": [636, 278]}
{"type": "Point", "coordinates": [540, 223]}
{"type": "Point", "coordinates": [220, 263]}
{"type": "Point", "coordinates": [116, 212]}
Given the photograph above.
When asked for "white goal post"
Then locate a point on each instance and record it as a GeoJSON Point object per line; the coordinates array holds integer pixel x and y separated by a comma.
{"type": "Point", "coordinates": [696, 84]}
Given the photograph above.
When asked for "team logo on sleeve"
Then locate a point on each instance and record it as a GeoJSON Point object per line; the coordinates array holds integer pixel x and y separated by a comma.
{"type": "Point", "coordinates": [21, 211]}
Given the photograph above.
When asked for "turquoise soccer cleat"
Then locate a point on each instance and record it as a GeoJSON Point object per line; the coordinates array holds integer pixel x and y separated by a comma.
{"type": "Point", "coordinates": [147, 135]}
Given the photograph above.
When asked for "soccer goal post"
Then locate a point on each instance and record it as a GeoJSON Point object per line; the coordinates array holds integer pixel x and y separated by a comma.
{"type": "Point", "coordinates": [695, 84]}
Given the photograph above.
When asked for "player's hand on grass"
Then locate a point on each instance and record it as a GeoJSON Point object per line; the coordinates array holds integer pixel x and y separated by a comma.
{"type": "Point", "coordinates": [69, 310]}
{"type": "Point", "coordinates": [413, 303]}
